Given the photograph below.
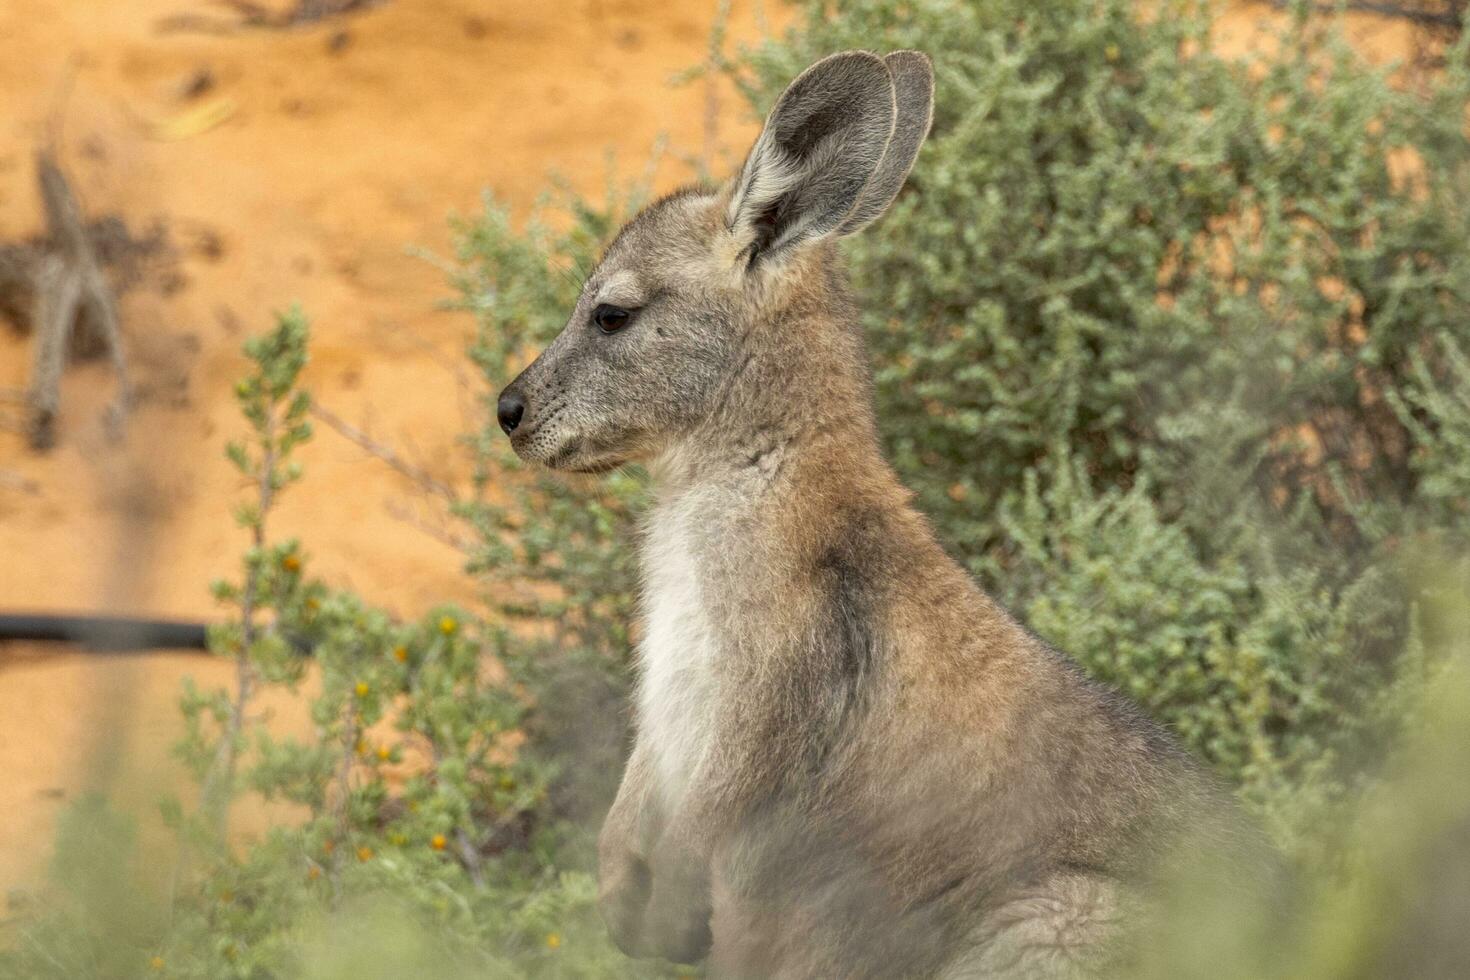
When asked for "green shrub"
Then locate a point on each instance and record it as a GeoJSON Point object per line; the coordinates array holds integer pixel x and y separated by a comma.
{"type": "Point", "coordinates": [557, 557]}
{"type": "Point", "coordinates": [1170, 347]}
{"type": "Point", "coordinates": [412, 808]}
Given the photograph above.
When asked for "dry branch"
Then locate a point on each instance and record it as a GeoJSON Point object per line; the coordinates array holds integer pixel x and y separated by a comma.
{"type": "Point", "coordinates": [438, 531]}
{"type": "Point", "coordinates": [73, 305]}
{"type": "Point", "coordinates": [444, 494]}
{"type": "Point", "coordinates": [250, 14]}
{"type": "Point", "coordinates": [415, 473]}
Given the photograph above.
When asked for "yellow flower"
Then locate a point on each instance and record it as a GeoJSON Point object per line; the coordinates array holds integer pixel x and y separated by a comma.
{"type": "Point", "coordinates": [552, 940]}
{"type": "Point", "coordinates": [397, 839]}
{"type": "Point", "coordinates": [400, 654]}
{"type": "Point", "coordinates": [156, 963]}
{"type": "Point", "coordinates": [313, 873]}
{"type": "Point", "coordinates": [437, 842]}
{"type": "Point", "coordinates": [384, 753]}
{"type": "Point", "coordinates": [329, 846]}
{"type": "Point", "coordinates": [360, 747]}
{"type": "Point", "coordinates": [291, 563]}
{"type": "Point", "coordinates": [448, 625]}
{"type": "Point", "coordinates": [1111, 52]}
{"type": "Point", "coordinates": [507, 782]}
{"type": "Point", "coordinates": [364, 853]}
{"type": "Point", "coordinates": [362, 689]}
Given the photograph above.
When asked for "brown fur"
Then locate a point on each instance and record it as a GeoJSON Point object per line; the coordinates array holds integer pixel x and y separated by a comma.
{"type": "Point", "coordinates": [899, 779]}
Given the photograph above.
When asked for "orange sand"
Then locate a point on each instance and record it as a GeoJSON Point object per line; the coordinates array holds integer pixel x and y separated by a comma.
{"type": "Point", "coordinates": [330, 167]}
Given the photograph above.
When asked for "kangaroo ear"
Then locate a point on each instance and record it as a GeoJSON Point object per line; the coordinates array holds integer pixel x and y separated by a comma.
{"type": "Point", "coordinates": [820, 148]}
{"type": "Point", "coordinates": [913, 88]}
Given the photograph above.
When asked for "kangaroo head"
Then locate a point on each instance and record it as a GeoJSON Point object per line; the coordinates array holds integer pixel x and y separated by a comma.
{"type": "Point", "coordinates": [665, 322]}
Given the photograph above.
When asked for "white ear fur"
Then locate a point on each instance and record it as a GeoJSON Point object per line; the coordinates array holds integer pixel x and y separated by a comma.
{"type": "Point", "coordinates": [821, 145]}
{"type": "Point", "coordinates": [769, 175]}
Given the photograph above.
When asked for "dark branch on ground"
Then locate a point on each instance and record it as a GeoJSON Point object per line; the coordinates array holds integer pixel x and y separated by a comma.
{"type": "Point", "coordinates": [252, 15]}
{"type": "Point", "coordinates": [73, 305]}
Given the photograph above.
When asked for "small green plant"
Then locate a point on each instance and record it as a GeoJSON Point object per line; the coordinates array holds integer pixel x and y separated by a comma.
{"type": "Point", "coordinates": [557, 556]}
{"type": "Point", "coordinates": [276, 411]}
{"type": "Point", "coordinates": [411, 801]}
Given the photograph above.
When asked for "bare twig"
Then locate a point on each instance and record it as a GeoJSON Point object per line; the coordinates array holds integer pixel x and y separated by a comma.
{"type": "Point", "coordinates": [714, 60]}
{"type": "Point", "coordinates": [250, 14]}
{"type": "Point", "coordinates": [72, 296]}
{"type": "Point", "coordinates": [470, 856]}
{"type": "Point", "coordinates": [303, 12]}
{"type": "Point", "coordinates": [417, 474]}
{"type": "Point", "coordinates": [438, 532]}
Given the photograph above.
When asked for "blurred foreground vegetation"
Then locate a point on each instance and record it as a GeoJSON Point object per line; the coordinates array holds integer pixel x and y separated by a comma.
{"type": "Point", "coordinates": [1175, 351]}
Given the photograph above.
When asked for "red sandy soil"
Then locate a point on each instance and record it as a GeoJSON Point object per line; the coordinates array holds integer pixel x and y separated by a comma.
{"type": "Point", "coordinates": [345, 143]}
{"type": "Point", "coordinates": [348, 143]}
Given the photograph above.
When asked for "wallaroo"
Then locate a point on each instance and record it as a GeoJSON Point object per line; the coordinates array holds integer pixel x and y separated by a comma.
{"type": "Point", "coordinates": [849, 761]}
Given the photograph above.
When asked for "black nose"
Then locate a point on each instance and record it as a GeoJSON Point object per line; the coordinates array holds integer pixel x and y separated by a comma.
{"type": "Point", "coordinates": [509, 410]}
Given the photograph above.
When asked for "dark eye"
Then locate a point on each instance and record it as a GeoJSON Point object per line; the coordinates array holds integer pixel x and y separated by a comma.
{"type": "Point", "coordinates": [611, 319]}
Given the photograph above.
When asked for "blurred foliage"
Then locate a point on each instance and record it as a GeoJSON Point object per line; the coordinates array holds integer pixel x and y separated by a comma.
{"type": "Point", "coordinates": [1394, 903]}
{"type": "Point", "coordinates": [1173, 350]}
{"type": "Point", "coordinates": [410, 806]}
{"type": "Point", "coordinates": [557, 554]}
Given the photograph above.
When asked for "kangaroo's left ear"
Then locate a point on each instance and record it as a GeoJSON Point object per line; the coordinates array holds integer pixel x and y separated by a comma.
{"type": "Point", "coordinates": [820, 149]}
{"type": "Point", "coordinates": [913, 89]}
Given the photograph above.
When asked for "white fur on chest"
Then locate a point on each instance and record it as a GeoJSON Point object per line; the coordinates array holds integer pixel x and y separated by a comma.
{"type": "Point", "coordinates": [679, 685]}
